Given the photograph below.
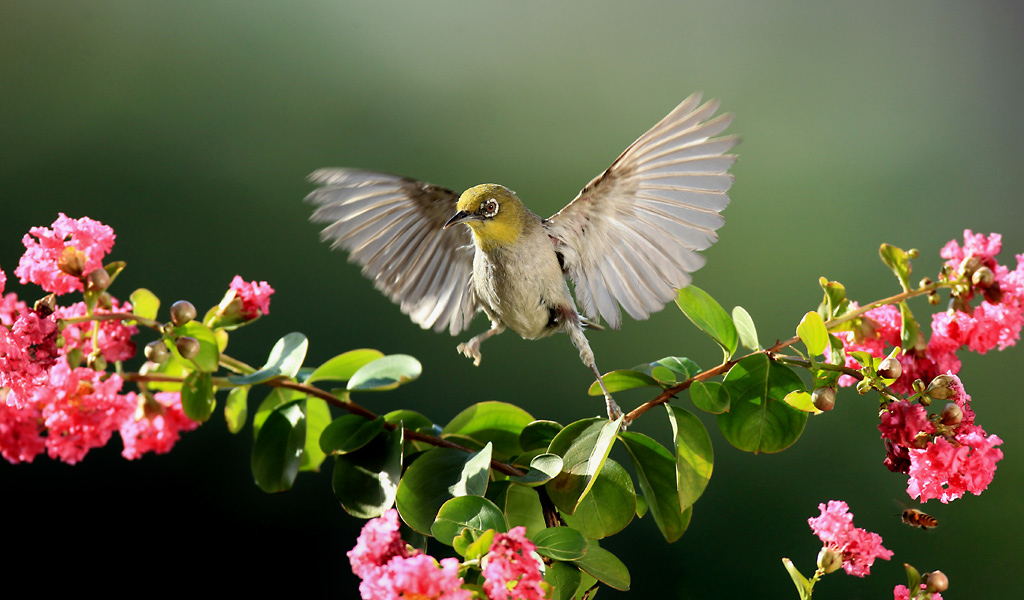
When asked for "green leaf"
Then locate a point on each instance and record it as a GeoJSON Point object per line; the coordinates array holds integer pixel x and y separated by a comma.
{"type": "Point", "coordinates": [605, 567]}
{"type": "Point", "coordinates": [522, 507]}
{"type": "Point", "coordinates": [476, 513]}
{"type": "Point", "coordinates": [561, 543]}
{"type": "Point", "coordinates": [145, 304]}
{"type": "Point", "coordinates": [114, 269]}
{"type": "Point", "coordinates": [656, 471]}
{"type": "Point", "coordinates": [710, 396]}
{"type": "Point", "coordinates": [812, 333]}
{"type": "Point", "coordinates": [913, 580]}
{"type": "Point", "coordinates": [757, 420]}
{"type": "Point", "coordinates": [641, 506]}
{"type": "Point", "coordinates": [277, 397]}
{"type": "Point", "coordinates": [909, 331]}
{"type": "Point", "coordinates": [409, 419]}
{"type": "Point", "coordinates": [538, 435]}
{"type": "Point", "coordinates": [897, 260]}
{"type": "Point", "coordinates": [583, 446]}
{"type": "Point", "coordinates": [197, 396]}
{"type": "Point", "coordinates": [277, 450]}
{"type": "Point", "coordinates": [366, 481]}
{"type": "Point", "coordinates": [543, 468]}
{"type": "Point", "coordinates": [236, 408]}
{"type": "Point", "coordinates": [285, 360]}
{"type": "Point", "coordinates": [835, 303]}
{"type": "Point", "coordinates": [564, 579]}
{"type": "Point", "coordinates": [496, 422]}
{"type": "Point", "coordinates": [174, 366]}
{"type": "Point", "coordinates": [385, 373]}
{"type": "Point", "coordinates": [801, 400]}
{"type": "Point", "coordinates": [349, 433]}
{"type": "Point", "coordinates": [694, 455]}
{"type": "Point", "coordinates": [624, 379]}
{"type": "Point", "coordinates": [709, 317]}
{"type": "Point", "coordinates": [664, 375]}
{"type": "Point", "coordinates": [684, 368]}
{"type": "Point", "coordinates": [318, 417]}
{"type": "Point", "coordinates": [803, 587]}
{"type": "Point", "coordinates": [437, 476]}
{"type": "Point", "coordinates": [745, 328]}
{"type": "Point", "coordinates": [609, 506]}
{"type": "Point", "coordinates": [209, 354]}
{"type": "Point", "coordinates": [344, 366]}
{"type": "Point", "coordinates": [473, 546]}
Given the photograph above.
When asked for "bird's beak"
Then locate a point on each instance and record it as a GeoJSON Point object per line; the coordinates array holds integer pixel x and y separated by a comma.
{"type": "Point", "coordinates": [461, 217]}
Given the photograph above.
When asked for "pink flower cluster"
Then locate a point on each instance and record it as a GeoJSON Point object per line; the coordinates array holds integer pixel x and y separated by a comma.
{"type": "Point", "coordinates": [47, 401]}
{"type": "Point", "coordinates": [511, 569]}
{"type": "Point", "coordinates": [390, 570]}
{"type": "Point", "coordinates": [858, 547]}
{"type": "Point", "coordinates": [943, 461]}
{"type": "Point", "coordinates": [902, 592]}
{"type": "Point", "coordinates": [255, 296]}
{"type": "Point", "coordinates": [994, 323]}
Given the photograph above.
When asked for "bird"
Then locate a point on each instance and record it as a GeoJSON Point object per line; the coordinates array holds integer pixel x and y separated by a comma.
{"type": "Point", "coordinates": [630, 238]}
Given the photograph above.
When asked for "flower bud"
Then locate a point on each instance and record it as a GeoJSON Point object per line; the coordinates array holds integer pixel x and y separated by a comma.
{"type": "Point", "coordinates": [924, 281]}
{"type": "Point", "coordinates": [921, 440]}
{"type": "Point", "coordinates": [182, 312]}
{"type": "Point", "coordinates": [106, 301]}
{"type": "Point", "coordinates": [72, 261]}
{"type": "Point", "coordinates": [993, 294]}
{"type": "Point", "coordinates": [918, 386]}
{"type": "Point", "coordinates": [824, 398]}
{"type": "Point", "coordinates": [936, 581]}
{"type": "Point", "coordinates": [96, 362]}
{"type": "Point", "coordinates": [940, 388]}
{"type": "Point", "coordinates": [188, 347]}
{"type": "Point", "coordinates": [863, 386]}
{"type": "Point", "coordinates": [97, 280]}
{"type": "Point", "coordinates": [829, 560]}
{"type": "Point", "coordinates": [924, 400]}
{"type": "Point", "coordinates": [156, 351]}
{"type": "Point", "coordinates": [969, 265]}
{"type": "Point", "coordinates": [983, 277]}
{"type": "Point", "coordinates": [913, 253]}
{"type": "Point", "coordinates": [951, 415]}
{"type": "Point", "coordinates": [890, 368]}
{"type": "Point", "coordinates": [46, 305]}
{"type": "Point", "coordinates": [934, 299]}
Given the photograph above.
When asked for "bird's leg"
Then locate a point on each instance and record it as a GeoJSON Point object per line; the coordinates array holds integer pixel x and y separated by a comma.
{"type": "Point", "coordinates": [575, 331]}
{"type": "Point", "coordinates": [471, 349]}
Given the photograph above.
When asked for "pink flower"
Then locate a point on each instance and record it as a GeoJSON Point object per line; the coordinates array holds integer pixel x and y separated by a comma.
{"type": "Point", "coordinates": [113, 339]}
{"type": "Point", "coordinates": [56, 259]}
{"type": "Point", "coordinates": [902, 421]}
{"type": "Point", "coordinates": [27, 350]}
{"type": "Point", "coordinates": [902, 592]}
{"type": "Point", "coordinates": [10, 308]}
{"type": "Point", "coordinates": [984, 248]}
{"type": "Point", "coordinates": [859, 548]}
{"type": "Point", "coordinates": [80, 411]}
{"type": "Point", "coordinates": [21, 432]}
{"type": "Point", "coordinates": [947, 470]}
{"type": "Point", "coordinates": [156, 425]}
{"type": "Point", "coordinates": [511, 569]}
{"type": "Point", "coordinates": [255, 296]}
{"type": "Point", "coordinates": [377, 544]}
{"type": "Point", "coordinates": [419, 577]}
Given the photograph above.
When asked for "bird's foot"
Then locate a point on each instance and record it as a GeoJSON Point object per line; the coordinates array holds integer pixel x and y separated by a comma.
{"type": "Point", "coordinates": [471, 349]}
{"type": "Point", "coordinates": [614, 412]}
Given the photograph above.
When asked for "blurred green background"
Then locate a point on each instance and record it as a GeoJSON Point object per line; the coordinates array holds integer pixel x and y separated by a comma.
{"type": "Point", "coordinates": [189, 127]}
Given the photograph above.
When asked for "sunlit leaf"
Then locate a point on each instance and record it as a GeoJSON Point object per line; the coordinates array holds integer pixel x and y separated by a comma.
{"type": "Point", "coordinates": [801, 400]}
{"type": "Point", "coordinates": [145, 304]}
{"type": "Point", "coordinates": [344, 366]}
{"type": "Point", "coordinates": [656, 471]}
{"type": "Point", "coordinates": [758, 420]}
{"type": "Point", "coordinates": [497, 422]}
{"type": "Point", "coordinates": [803, 587]}
{"type": "Point", "coordinates": [349, 433]}
{"type": "Point", "coordinates": [385, 373]}
{"type": "Point", "coordinates": [197, 396]}
{"type": "Point", "coordinates": [609, 507]}
{"type": "Point", "coordinates": [710, 396]}
{"type": "Point", "coordinates": [709, 317]}
{"type": "Point", "coordinates": [583, 446]}
{"type": "Point", "coordinates": [366, 481]}
{"type": "Point", "coordinates": [284, 361]}
{"type": "Point", "coordinates": [318, 417]}
{"type": "Point", "coordinates": [897, 260]}
{"type": "Point", "coordinates": [277, 449]}
{"type": "Point", "coordinates": [209, 354]}
{"type": "Point", "coordinates": [812, 333]}
{"type": "Point", "coordinates": [538, 435]}
{"type": "Point", "coordinates": [476, 513]}
{"type": "Point", "coordinates": [236, 408]}
{"type": "Point", "coordinates": [561, 543]}
{"type": "Point", "coordinates": [625, 379]}
{"type": "Point", "coordinates": [745, 328]}
{"type": "Point", "coordinates": [543, 468]}
{"type": "Point", "coordinates": [694, 455]}
{"type": "Point", "coordinates": [522, 507]}
{"type": "Point", "coordinates": [434, 478]}
{"type": "Point", "coordinates": [604, 566]}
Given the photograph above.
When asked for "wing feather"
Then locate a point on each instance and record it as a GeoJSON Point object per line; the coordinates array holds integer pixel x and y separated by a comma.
{"type": "Point", "coordinates": [392, 227]}
{"type": "Point", "coordinates": [630, 236]}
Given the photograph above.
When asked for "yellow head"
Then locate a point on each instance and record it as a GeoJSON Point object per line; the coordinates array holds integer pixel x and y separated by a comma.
{"type": "Point", "coordinates": [493, 212]}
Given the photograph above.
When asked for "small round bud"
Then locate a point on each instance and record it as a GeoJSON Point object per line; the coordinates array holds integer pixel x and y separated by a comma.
{"type": "Point", "coordinates": [106, 301]}
{"type": "Point", "coordinates": [188, 347]}
{"type": "Point", "coordinates": [824, 398]}
{"type": "Point", "coordinates": [97, 280]}
{"type": "Point", "coordinates": [75, 357]}
{"type": "Point", "coordinates": [936, 581]}
{"type": "Point", "coordinates": [983, 277]}
{"type": "Point", "coordinates": [918, 386]}
{"type": "Point", "coordinates": [934, 299]}
{"type": "Point", "coordinates": [924, 281]}
{"type": "Point", "coordinates": [182, 312]}
{"type": "Point", "coordinates": [156, 351]}
{"type": "Point", "coordinates": [890, 368]}
{"type": "Point", "coordinates": [913, 253]}
{"type": "Point", "coordinates": [940, 388]}
{"type": "Point", "coordinates": [829, 560]}
{"type": "Point", "coordinates": [951, 415]}
{"type": "Point", "coordinates": [60, 341]}
{"type": "Point", "coordinates": [924, 400]}
{"type": "Point", "coordinates": [969, 265]}
{"type": "Point", "coordinates": [96, 362]}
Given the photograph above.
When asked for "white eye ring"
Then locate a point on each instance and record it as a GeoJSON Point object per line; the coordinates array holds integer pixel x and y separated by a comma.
{"type": "Point", "coordinates": [490, 208]}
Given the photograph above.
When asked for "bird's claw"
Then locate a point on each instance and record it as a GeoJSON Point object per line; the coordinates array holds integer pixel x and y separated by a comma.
{"type": "Point", "coordinates": [614, 412]}
{"type": "Point", "coordinates": [471, 349]}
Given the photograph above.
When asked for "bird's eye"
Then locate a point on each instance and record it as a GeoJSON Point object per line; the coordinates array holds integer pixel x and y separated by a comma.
{"type": "Point", "coordinates": [489, 208]}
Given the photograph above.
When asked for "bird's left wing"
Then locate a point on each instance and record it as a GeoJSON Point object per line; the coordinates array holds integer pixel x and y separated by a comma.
{"type": "Point", "coordinates": [632, 234]}
{"type": "Point", "coordinates": [393, 227]}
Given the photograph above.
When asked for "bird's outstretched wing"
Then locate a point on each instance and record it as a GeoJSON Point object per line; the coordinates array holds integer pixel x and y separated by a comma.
{"type": "Point", "coordinates": [632, 234]}
{"type": "Point", "coordinates": [392, 226]}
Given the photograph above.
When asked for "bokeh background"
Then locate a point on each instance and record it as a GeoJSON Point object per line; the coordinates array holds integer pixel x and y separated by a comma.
{"type": "Point", "coordinates": [190, 127]}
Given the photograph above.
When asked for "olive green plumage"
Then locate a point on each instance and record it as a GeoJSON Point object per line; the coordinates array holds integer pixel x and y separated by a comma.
{"type": "Point", "coordinates": [630, 238]}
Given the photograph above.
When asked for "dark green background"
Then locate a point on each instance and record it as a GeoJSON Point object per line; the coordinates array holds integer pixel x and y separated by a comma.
{"type": "Point", "coordinates": [189, 128]}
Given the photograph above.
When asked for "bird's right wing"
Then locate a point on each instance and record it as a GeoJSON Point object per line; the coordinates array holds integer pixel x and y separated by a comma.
{"type": "Point", "coordinates": [392, 226]}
